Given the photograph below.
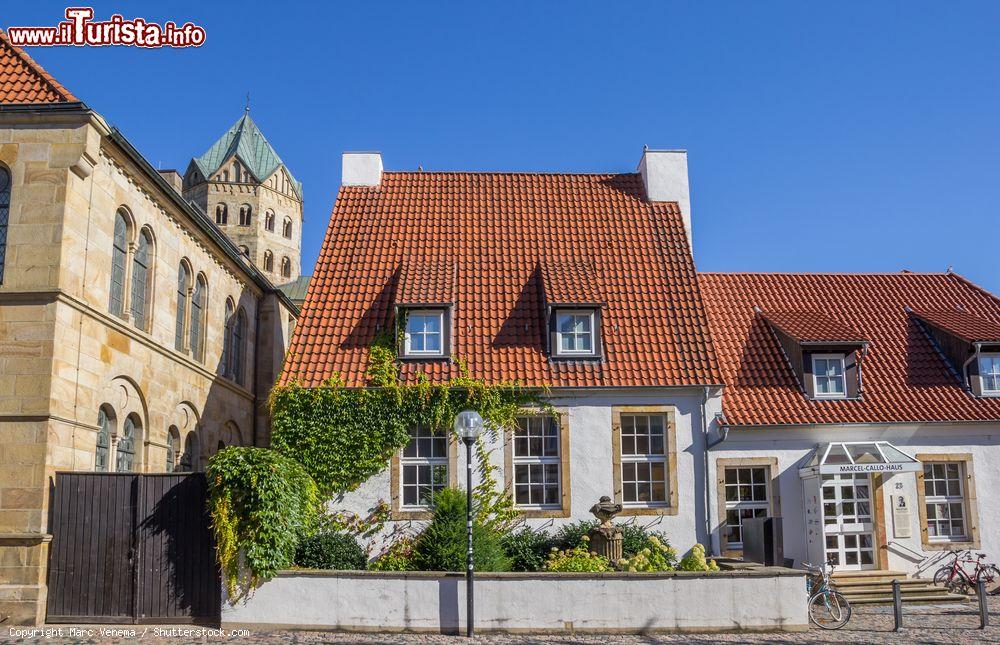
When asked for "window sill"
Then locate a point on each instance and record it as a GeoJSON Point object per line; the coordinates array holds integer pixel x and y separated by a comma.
{"type": "Point", "coordinates": [411, 514]}
{"type": "Point", "coordinates": [628, 511]}
{"type": "Point", "coordinates": [949, 545]}
{"type": "Point", "coordinates": [543, 513]}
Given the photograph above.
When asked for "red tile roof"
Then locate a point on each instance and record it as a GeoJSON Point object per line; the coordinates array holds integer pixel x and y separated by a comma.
{"type": "Point", "coordinates": [498, 227]}
{"type": "Point", "coordinates": [22, 80]}
{"type": "Point", "coordinates": [570, 282]}
{"type": "Point", "coordinates": [905, 377]}
{"type": "Point", "coordinates": [962, 324]}
{"type": "Point", "coordinates": [812, 327]}
{"type": "Point", "coordinates": [426, 283]}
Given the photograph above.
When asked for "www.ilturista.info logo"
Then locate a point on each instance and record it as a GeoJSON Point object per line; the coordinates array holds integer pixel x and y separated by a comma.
{"type": "Point", "coordinates": [80, 30]}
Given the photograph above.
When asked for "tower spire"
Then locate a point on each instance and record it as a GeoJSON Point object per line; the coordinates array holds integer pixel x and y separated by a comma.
{"type": "Point", "coordinates": [247, 109]}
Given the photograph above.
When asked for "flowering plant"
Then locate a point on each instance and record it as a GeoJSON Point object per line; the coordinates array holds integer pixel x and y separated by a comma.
{"type": "Point", "coordinates": [656, 557]}
{"type": "Point", "coordinates": [578, 558]}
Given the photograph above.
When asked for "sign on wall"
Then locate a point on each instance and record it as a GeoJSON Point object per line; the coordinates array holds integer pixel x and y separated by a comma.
{"type": "Point", "coordinates": [900, 516]}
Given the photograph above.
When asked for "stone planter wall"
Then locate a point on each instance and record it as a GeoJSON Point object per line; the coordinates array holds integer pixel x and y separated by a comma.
{"type": "Point", "coordinates": [763, 599]}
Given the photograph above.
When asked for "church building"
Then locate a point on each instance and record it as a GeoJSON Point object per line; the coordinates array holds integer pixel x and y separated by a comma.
{"type": "Point", "coordinates": [140, 326]}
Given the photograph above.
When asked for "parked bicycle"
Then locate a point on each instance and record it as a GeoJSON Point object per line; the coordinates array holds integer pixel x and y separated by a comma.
{"type": "Point", "coordinates": [828, 608]}
{"type": "Point", "coordinates": [957, 579]}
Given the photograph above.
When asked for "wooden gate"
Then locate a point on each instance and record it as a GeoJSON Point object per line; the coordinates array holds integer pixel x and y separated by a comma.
{"type": "Point", "coordinates": [129, 548]}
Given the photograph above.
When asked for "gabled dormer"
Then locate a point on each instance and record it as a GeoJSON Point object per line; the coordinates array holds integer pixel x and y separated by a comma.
{"type": "Point", "coordinates": [825, 354]}
{"type": "Point", "coordinates": [425, 302]}
{"type": "Point", "coordinates": [574, 310]}
{"type": "Point", "coordinates": [970, 344]}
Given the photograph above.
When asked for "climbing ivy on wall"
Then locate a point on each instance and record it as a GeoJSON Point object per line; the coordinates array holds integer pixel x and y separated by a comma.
{"type": "Point", "coordinates": [340, 437]}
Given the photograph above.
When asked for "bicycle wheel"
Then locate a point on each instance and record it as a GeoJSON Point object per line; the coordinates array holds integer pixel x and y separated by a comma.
{"type": "Point", "coordinates": [992, 577]}
{"type": "Point", "coordinates": [829, 609]}
{"type": "Point", "coordinates": [942, 577]}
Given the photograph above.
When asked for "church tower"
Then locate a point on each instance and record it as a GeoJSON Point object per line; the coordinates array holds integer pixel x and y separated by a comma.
{"type": "Point", "coordinates": [244, 186]}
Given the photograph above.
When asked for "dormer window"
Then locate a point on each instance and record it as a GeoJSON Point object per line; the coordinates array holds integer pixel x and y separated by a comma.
{"type": "Point", "coordinates": [829, 376]}
{"type": "Point", "coordinates": [989, 370]}
{"type": "Point", "coordinates": [425, 333]}
{"type": "Point", "coordinates": [575, 329]}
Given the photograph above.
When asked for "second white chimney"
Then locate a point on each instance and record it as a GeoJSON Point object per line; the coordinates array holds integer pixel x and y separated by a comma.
{"type": "Point", "coordinates": [665, 177]}
{"type": "Point", "coordinates": [361, 169]}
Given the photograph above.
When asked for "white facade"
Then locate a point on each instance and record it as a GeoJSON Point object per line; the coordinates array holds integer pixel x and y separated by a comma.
{"type": "Point", "coordinates": [900, 536]}
{"type": "Point", "coordinates": [588, 420]}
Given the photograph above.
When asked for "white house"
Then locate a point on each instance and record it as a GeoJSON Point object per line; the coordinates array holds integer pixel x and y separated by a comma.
{"type": "Point", "coordinates": [861, 409]}
{"type": "Point", "coordinates": [583, 283]}
{"type": "Point", "coordinates": [864, 409]}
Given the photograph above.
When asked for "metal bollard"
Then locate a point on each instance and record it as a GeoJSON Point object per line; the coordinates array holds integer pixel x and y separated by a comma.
{"type": "Point", "coordinates": [984, 610]}
{"type": "Point", "coordinates": [897, 605]}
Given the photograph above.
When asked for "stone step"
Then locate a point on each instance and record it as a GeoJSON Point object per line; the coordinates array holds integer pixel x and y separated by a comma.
{"type": "Point", "coordinates": [876, 582]}
{"type": "Point", "coordinates": [887, 599]}
{"type": "Point", "coordinates": [871, 573]}
{"type": "Point", "coordinates": [883, 591]}
{"type": "Point", "coordinates": [886, 589]}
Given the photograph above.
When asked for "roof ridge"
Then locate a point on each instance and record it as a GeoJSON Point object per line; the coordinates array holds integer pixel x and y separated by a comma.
{"type": "Point", "coordinates": [507, 172]}
{"type": "Point", "coordinates": [974, 286]}
{"type": "Point", "coordinates": [53, 84]}
{"type": "Point", "coordinates": [831, 273]}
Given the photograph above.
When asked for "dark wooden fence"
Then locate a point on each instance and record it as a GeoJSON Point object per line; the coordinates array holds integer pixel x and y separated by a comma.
{"type": "Point", "coordinates": [130, 548]}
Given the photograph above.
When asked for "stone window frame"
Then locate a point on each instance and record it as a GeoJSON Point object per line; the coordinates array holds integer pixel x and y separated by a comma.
{"type": "Point", "coordinates": [670, 429]}
{"type": "Point", "coordinates": [773, 497]}
{"type": "Point", "coordinates": [396, 510]}
{"type": "Point", "coordinates": [564, 510]}
{"type": "Point", "coordinates": [968, 491]}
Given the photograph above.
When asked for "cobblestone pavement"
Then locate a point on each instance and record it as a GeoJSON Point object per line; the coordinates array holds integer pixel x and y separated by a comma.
{"type": "Point", "coordinates": [943, 623]}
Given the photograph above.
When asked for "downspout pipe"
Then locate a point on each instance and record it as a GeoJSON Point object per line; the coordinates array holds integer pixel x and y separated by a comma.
{"type": "Point", "coordinates": [965, 366]}
{"type": "Point", "coordinates": [709, 444]}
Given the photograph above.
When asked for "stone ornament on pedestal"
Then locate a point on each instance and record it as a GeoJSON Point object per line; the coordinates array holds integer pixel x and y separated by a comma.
{"type": "Point", "coordinates": [606, 538]}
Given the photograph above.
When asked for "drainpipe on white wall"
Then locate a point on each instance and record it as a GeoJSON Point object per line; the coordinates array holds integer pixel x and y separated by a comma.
{"type": "Point", "coordinates": [965, 366]}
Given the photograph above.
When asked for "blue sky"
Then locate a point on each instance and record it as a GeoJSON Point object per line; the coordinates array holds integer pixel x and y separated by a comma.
{"type": "Point", "coordinates": [839, 137]}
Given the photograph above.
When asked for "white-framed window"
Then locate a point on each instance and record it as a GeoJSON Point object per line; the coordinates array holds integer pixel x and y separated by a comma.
{"type": "Point", "coordinates": [828, 376]}
{"type": "Point", "coordinates": [537, 462]}
{"type": "Point", "coordinates": [644, 459]}
{"type": "Point", "coordinates": [746, 497]}
{"type": "Point", "coordinates": [424, 467]}
{"type": "Point", "coordinates": [944, 496]}
{"type": "Point", "coordinates": [989, 372]}
{"type": "Point", "coordinates": [424, 333]}
{"type": "Point", "coordinates": [575, 333]}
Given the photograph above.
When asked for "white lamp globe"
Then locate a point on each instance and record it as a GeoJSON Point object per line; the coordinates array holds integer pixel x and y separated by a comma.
{"type": "Point", "coordinates": [468, 424]}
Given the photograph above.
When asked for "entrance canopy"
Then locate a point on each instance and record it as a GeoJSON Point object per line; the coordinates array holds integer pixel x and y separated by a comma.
{"type": "Point", "coordinates": [845, 457]}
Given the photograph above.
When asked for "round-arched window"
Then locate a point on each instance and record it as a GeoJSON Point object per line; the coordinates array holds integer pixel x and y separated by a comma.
{"type": "Point", "coordinates": [125, 451]}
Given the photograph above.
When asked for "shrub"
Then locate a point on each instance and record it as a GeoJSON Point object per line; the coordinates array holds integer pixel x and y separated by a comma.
{"type": "Point", "coordinates": [635, 538]}
{"type": "Point", "coordinates": [443, 544]}
{"type": "Point", "coordinates": [578, 558]}
{"type": "Point", "coordinates": [330, 550]}
{"type": "Point", "coordinates": [260, 503]}
{"type": "Point", "coordinates": [656, 557]}
{"type": "Point", "coordinates": [696, 561]}
{"type": "Point", "coordinates": [395, 558]}
{"type": "Point", "coordinates": [527, 549]}
{"type": "Point", "coordinates": [570, 535]}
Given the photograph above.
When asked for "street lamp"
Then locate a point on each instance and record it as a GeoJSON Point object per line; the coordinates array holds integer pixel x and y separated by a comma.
{"type": "Point", "coordinates": [468, 426]}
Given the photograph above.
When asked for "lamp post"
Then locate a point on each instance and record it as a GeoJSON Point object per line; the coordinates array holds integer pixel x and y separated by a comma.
{"type": "Point", "coordinates": [468, 425]}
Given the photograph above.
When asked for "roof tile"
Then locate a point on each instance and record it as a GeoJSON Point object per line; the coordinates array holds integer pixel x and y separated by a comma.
{"type": "Point", "coordinates": [906, 379]}
{"type": "Point", "coordinates": [497, 228]}
{"type": "Point", "coordinates": [23, 81]}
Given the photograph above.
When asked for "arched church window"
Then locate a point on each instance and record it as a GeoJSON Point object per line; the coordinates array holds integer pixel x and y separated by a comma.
{"type": "Point", "coordinates": [246, 215]}
{"type": "Point", "coordinates": [221, 215]}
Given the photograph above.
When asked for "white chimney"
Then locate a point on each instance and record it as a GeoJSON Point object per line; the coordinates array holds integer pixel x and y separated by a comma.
{"type": "Point", "coordinates": [665, 176]}
{"type": "Point", "coordinates": [361, 169]}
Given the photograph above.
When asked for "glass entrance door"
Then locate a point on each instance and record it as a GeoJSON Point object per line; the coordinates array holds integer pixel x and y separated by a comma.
{"type": "Point", "coordinates": [847, 521]}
